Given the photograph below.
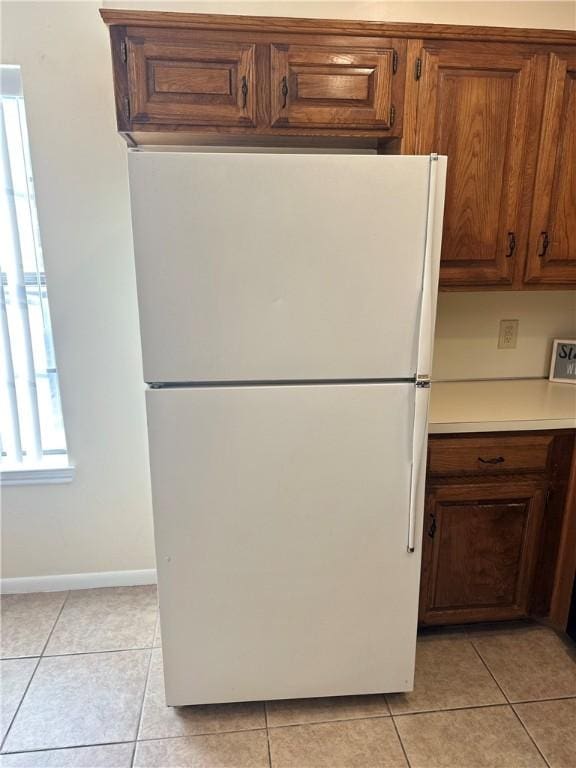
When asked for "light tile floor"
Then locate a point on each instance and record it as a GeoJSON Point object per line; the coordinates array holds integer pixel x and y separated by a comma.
{"type": "Point", "coordinates": [81, 685]}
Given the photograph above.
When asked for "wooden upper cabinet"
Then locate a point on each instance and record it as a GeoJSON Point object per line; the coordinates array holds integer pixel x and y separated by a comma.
{"type": "Point", "coordinates": [473, 107]}
{"type": "Point", "coordinates": [328, 87]}
{"type": "Point", "coordinates": [552, 244]}
{"type": "Point", "coordinates": [190, 83]}
{"type": "Point", "coordinates": [500, 103]}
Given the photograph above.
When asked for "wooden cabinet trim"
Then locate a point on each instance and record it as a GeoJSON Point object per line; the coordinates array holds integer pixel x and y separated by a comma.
{"type": "Point", "coordinates": [277, 24]}
{"type": "Point", "coordinates": [565, 574]}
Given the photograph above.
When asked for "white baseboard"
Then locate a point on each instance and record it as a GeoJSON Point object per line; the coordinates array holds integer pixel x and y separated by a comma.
{"type": "Point", "coordinates": [65, 581]}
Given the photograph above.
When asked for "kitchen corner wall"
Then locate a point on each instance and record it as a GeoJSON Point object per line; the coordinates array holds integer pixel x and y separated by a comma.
{"type": "Point", "coordinates": [467, 327]}
{"type": "Point", "coordinates": [102, 520]}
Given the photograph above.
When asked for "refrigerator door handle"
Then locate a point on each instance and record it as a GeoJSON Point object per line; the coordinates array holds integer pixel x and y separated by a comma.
{"type": "Point", "coordinates": [430, 275]}
{"type": "Point", "coordinates": [419, 445]}
{"type": "Point", "coordinates": [431, 268]}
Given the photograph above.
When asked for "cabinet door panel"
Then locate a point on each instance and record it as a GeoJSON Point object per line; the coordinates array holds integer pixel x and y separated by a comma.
{"type": "Point", "coordinates": [480, 551]}
{"type": "Point", "coordinates": [333, 88]}
{"type": "Point", "coordinates": [203, 83]}
{"type": "Point", "coordinates": [473, 108]}
{"type": "Point", "coordinates": [552, 245]}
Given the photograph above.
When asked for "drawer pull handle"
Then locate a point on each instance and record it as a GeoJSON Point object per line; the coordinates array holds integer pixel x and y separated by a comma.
{"type": "Point", "coordinates": [495, 460]}
{"type": "Point", "coordinates": [545, 244]}
{"type": "Point", "coordinates": [244, 91]}
{"type": "Point", "coordinates": [284, 91]}
{"type": "Point", "coordinates": [511, 244]}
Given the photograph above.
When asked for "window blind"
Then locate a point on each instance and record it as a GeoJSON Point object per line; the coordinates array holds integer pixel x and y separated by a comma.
{"type": "Point", "coordinates": [31, 426]}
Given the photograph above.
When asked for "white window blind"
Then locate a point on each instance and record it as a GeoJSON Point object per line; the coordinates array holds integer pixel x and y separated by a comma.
{"type": "Point", "coordinates": [31, 427]}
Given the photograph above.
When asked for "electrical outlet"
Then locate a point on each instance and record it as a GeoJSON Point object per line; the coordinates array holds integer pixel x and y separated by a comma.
{"type": "Point", "coordinates": [508, 334]}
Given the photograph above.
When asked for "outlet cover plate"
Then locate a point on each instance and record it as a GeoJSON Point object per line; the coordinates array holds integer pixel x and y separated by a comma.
{"type": "Point", "coordinates": [508, 335]}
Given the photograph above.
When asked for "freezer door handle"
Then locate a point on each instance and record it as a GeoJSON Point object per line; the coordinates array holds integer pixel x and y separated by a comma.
{"type": "Point", "coordinates": [419, 445]}
{"type": "Point", "coordinates": [431, 269]}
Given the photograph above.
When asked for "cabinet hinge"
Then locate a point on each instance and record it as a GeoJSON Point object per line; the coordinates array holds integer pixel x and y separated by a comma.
{"type": "Point", "coordinates": [124, 51]}
{"type": "Point", "coordinates": [392, 115]}
{"type": "Point", "coordinates": [127, 103]}
{"type": "Point", "coordinates": [394, 61]}
{"type": "Point", "coordinates": [418, 69]}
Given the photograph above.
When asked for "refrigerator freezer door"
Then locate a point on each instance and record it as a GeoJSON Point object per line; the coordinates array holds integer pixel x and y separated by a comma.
{"type": "Point", "coordinates": [281, 518]}
{"type": "Point", "coordinates": [278, 266]}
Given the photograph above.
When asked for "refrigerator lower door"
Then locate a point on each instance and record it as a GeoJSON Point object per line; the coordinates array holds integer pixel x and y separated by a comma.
{"type": "Point", "coordinates": [281, 516]}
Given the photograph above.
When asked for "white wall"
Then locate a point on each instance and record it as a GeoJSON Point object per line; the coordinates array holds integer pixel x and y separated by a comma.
{"type": "Point", "coordinates": [102, 521]}
{"type": "Point", "coordinates": [467, 330]}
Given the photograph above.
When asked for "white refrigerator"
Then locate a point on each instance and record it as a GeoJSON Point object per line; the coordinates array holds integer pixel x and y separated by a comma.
{"type": "Point", "coordinates": [287, 306]}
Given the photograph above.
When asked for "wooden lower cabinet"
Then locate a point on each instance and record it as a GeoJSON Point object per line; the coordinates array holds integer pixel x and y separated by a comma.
{"type": "Point", "coordinates": [496, 506]}
{"type": "Point", "coordinates": [480, 550]}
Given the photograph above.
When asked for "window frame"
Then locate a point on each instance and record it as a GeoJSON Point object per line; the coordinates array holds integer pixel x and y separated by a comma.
{"type": "Point", "coordinates": [25, 461]}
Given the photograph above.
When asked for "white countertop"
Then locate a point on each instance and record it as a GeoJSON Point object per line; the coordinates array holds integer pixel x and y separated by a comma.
{"type": "Point", "coordinates": [501, 406]}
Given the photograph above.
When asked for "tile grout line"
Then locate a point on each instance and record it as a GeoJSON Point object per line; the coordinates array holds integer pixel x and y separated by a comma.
{"type": "Point", "coordinates": [469, 706]}
{"type": "Point", "coordinates": [510, 704]}
{"type": "Point", "coordinates": [139, 723]}
{"type": "Point", "coordinates": [328, 722]}
{"type": "Point", "coordinates": [529, 735]}
{"type": "Point", "coordinates": [93, 653]}
{"type": "Point", "coordinates": [477, 652]}
{"type": "Point", "coordinates": [82, 653]}
{"type": "Point", "coordinates": [267, 734]}
{"type": "Point", "coordinates": [401, 742]}
{"type": "Point", "coordinates": [537, 701]}
{"type": "Point", "coordinates": [63, 749]}
{"type": "Point", "coordinates": [33, 675]}
{"type": "Point", "coordinates": [130, 741]}
{"type": "Point", "coordinates": [449, 709]}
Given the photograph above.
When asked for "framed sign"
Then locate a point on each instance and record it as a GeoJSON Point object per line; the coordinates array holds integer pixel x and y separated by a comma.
{"type": "Point", "coordinates": [563, 363]}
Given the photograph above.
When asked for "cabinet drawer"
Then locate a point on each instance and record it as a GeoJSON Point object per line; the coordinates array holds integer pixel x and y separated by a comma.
{"type": "Point", "coordinates": [314, 86]}
{"type": "Point", "coordinates": [489, 455]}
{"type": "Point", "coordinates": [190, 83]}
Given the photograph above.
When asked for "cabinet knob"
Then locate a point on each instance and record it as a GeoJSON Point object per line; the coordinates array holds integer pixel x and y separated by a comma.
{"type": "Point", "coordinates": [284, 91]}
{"type": "Point", "coordinates": [244, 90]}
{"type": "Point", "coordinates": [495, 460]}
{"type": "Point", "coordinates": [511, 244]}
{"type": "Point", "coordinates": [545, 244]}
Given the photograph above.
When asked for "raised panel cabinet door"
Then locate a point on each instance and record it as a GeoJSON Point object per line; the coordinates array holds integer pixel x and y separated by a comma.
{"type": "Point", "coordinates": [321, 87]}
{"type": "Point", "coordinates": [204, 83]}
{"type": "Point", "coordinates": [480, 549]}
{"type": "Point", "coordinates": [473, 107]}
{"type": "Point", "coordinates": [552, 244]}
